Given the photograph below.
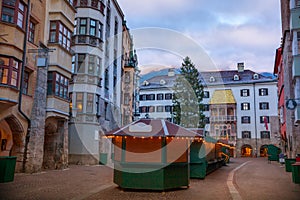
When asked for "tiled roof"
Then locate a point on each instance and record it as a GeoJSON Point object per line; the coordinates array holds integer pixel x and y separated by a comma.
{"type": "Point", "coordinates": [227, 77]}
{"type": "Point", "coordinates": [153, 128]}
{"type": "Point", "coordinates": [222, 97]}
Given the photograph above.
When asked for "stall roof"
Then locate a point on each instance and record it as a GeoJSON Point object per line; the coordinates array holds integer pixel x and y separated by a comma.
{"type": "Point", "coordinates": [153, 128]}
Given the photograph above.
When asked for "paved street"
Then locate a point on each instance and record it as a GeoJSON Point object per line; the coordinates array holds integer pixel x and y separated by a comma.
{"type": "Point", "coordinates": [243, 178]}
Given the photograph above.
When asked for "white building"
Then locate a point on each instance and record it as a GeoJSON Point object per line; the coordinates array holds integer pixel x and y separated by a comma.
{"type": "Point", "coordinates": [240, 106]}
{"type": "Point", "coordinates": [96, 86]}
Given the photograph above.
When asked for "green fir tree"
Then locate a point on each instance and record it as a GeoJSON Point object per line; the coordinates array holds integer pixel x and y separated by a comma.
{"type": "Point", "coordinates": [187, 98]}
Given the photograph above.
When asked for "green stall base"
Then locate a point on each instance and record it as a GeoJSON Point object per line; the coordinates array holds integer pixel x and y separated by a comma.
{"type": "Point", "coordinates": [273, 152]}
{"type": "Point", "coordinates": [151, 176]}
{"type": "Point", "coordinates": [198, 170]}
{"type": "Point", "coordinates": [288, 164]}
{"type": "Point", "coordinates": [7, 168]}
{"type": "Point", "coordinates": [296, 172]}
{"type": "Point", "coordinates": [103, 159]}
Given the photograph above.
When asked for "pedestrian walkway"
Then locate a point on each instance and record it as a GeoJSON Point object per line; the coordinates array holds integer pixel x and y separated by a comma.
{"type": "Point", "coordinates": [252, 178]}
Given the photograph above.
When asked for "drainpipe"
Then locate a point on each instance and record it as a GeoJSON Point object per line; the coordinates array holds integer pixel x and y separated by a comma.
{"type": "Point", "coordinates": [21, 88]}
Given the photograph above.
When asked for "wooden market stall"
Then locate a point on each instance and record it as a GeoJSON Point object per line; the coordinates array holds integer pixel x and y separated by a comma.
{"type": "Point", "coordinates": [151, 154]}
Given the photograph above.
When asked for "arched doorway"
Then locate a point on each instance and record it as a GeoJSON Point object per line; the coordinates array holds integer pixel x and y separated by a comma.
{"type": "Point", "coordinates": [264, 150]}
{"type": "Point", "coordinates": [246, 151]}
{"type": "Point", "coordinates": [55, 154]}
{"type": "Point", "coordinates": [11, 139]}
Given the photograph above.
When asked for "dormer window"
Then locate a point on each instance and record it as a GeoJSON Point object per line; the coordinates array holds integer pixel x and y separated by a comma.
{"type": "Point", "coordinates": [255, 76]}
{"type": "Point", "coordinates": [236, 77]}
{"type": "Point", "coordinates": [162, 82]}
{"type": "Point", "coordinates": [212, 79]}
{"type": "Point", "coordinates": [145, 83]}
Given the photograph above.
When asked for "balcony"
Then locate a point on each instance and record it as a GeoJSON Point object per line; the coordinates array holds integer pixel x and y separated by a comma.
{"type": "Point", "coordinates": [227, 118]}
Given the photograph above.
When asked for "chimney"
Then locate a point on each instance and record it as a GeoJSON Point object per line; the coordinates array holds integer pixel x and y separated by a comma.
{"type": "Point", "coordinates": [171, 72]}
{"type": "Point", "coordinates": [240, 67]}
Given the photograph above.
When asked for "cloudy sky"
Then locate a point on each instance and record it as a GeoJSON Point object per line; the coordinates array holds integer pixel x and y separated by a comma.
{"type": "Point", "coordinates": [228, 31]}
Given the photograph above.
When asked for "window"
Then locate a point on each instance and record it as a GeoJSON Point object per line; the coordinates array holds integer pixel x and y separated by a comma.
{"type": "Point", "coordinates": [13, 11]}
{"type": "Point", "coordinates": [79, 102]}
{"type": "Point", "coordinates": [98, 105]}
{"type": "Point", "coordinates": [160, 109]}
{"type": "Point", "coordinates": [245, 93]}
{"type": "Point", "coordinates": [26, 83]}
{"type": "Point", "coordinates": [206, 94]}
{"type": "Point", "coordinates": [92, 64]}
{"type": "Point", "coordinates": [150, 97]}
{"type": "Point", "coordinates": [264, 119]}
{"type": "Point", "coordinates": [142, 97]}
{"type": "Point", "coordinates": [31, 32]}
{"type": "Point", "coordinates": [73, 64]}
{"type": "Point", "coordinates": [168, 109]}
{"type": "Point", "coordinates": [206, 107]}
{"type": "Point", "coordinates": [263, 92]}
{"type": "Point", "coordinates": [93, 27]}
{"type": "Point", "coordinates": [89, 103]}
{"type": "Point", "coordinates": [82, 26]}
{"type": "Point", "coordinates": [245, 106]}
{"type": "Point", "coordinates": [264, 106]}
{"type": "Point", "coordinates": [151, 109]}
{"type": "Point", "coordinates": [143, 109]}
{"type": "Point", "coordinates": [81, 63]}
{"type": "Point", "coordinates": [265, 134]}
{"type": "Point", "coordinates": [246, 134]}
{"type": "Point", "coordinates": [95, 3]}
{"type": "Point", "coordinates": [160, 97]}
{"type": "Point", "coordinates": [9, 71]}
{"type": "Point", "coordinates": [236, 77]}
{"type": "Point", "coordinates": [60, 34]}
{"type": "Point", "coordinates": [72, 2]}
{"type": "Point", "coordinates": [57, 85]}
{"type": "Point", "coordinates": [83, 2]}
{"type": "Point", "coordinates": [106, 110]}
{"type": "Point", "coordinates": [168, 96]}
{"type": "Point", "coordinates": [245, 120]}
{"type": "Point", "coordinates": [106, 79]}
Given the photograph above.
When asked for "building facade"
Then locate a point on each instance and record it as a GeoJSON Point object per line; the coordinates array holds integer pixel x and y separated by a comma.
{"type": "Point", "coordinates": [238, 104]}
{"type": "Point", "coordinates": [130, 74]}
{"type": "Point", "coordinates": [34, 80]}
{"type": "Point", "coordinates": [99, 43]}
{"type": "Point", "coordinates": [290, 12]}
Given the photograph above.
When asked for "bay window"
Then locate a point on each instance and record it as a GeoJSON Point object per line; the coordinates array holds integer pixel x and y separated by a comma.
{"type": "Point", "coordinates": [60, 34]}
{"type": "Point", "coordinates": [13, 11]}
{"type": "Point", "coordinates": [9, 71]}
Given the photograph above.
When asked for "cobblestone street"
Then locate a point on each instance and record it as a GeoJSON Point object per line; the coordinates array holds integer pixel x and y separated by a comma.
{"type": "Point", "coordinates": [254, 179]}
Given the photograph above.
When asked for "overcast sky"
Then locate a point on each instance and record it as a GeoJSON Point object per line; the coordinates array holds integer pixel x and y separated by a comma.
{"type": "Point", "coordinates": [228, 31]}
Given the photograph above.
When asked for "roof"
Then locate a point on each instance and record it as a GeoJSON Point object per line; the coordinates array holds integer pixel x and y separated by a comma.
{"type": "Point", "coordinates": [222, 97]}
{"type": "Point", "coordinates": [155, 82]}
{"type": "Point", "coordinates": [153, 128]}
{"type": "Point", "coordinates": [227, 77]}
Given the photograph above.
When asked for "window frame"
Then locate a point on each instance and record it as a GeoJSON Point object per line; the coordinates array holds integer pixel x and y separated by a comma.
{"type": "Point", "coordinates": [245, 119]}
{"type": "Point", "coordinates": [245, 106]}
{"type": "Point", "coordinates": [62, 35]}
{"type": "Point", "coordinates": [12, 68]}
{"type": "Point", "coordinates": [264, 106]}
{"type": "Point", "coordinates": [263, 92]}
{"type": "Point", "coordinates": [15, 8]}
{"type": "Point", "coordinates": [246, 133]}
{"type": "Point", "coordinates": [244, 92]}
{"type": "Point", "coordinates": [206, 94]}
{"type": "Point", "coordinates": [58, 85]}
{"type": "Point", "coordinates": [31, 31]}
